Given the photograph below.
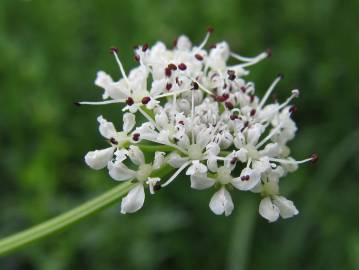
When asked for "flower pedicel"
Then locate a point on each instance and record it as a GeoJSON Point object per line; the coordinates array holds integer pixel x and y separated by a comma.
{"type": "Point", "coordinates": [204, 119]}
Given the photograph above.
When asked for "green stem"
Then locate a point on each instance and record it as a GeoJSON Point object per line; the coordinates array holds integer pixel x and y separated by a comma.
{"type": "Point", "coordinates": [60, 222]}
{"type": "Point", "coordinates": [153, 148]}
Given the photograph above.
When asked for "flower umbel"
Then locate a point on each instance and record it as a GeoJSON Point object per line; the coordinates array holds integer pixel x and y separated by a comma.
{"type": "Point", "coordinates": [191, 112]}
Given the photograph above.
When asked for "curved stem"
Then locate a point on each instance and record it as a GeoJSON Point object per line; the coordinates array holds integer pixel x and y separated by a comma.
{"type": "Point", "coordinates": [60, 222]}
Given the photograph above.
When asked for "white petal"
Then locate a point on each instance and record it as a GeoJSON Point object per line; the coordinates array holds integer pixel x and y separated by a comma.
{"type": "Point", "coordinates": [270, 150]}
{"type": "Point", "coordinates": [106, 128]}
{"type": "Point", "coordinates": [254, 178]}
{"type": "Point", "coordinates": [111, 89]}
{"type": "Point", "coordinates": [254, 133]}
{"type": "Point", "coordinates": [228, 162]}
{"type": "Point", "coordinates": [221, 202]}
{"type": "Point", "coordinates": [242, 154]}
{"type": "Point", "coordinates": [261, 165]}
{"type": "Point", "coordinates": [268, 210]}
{"type": "Point", "coordinates": [129, 122]}
{"type": "Point", "coordinates": [134, 200]}
{"type": "Point", "coordinates": [119, 171]}
{"type": "Point", "coordinates": [161, 119]}
{"type": "Point", "coordinates": [239, 140]}
{"type": "Point", "coordinates": [286, 207]}
{"type": "Point", "coordinates": [175, 160]}
{"type": "Point", "coordinates": [121, 154]}
{"type": "Point", "coordinates": [98, 159]}
{"type": "Point", "coordinates": [213, 148]}
{"type": "Point", "coordinates": [158, 160]}
{"type": "Point", "coordinates": [196, 167]}
{"type": "Point", "coordinates": [212, 163]}
{"type": "Point", "coordinates": [147, 132]}
{"type": "Point", "coordinates": [183, 43]}
{"type": "Point", "coordinates": [136, 155]}
{"type": "Point", "coordinates": [201, 181]}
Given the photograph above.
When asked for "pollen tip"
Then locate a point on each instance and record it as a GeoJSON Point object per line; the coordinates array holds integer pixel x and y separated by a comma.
{"type": "Point", "coordinates": [136, 136]}
{"type": "Point", "coordinates": [295, 92]}
{"type": "Point", "coordinates": [210, 29]}
{"type": "Point", "coordinates": [157, 186]}
{"type": "Point", "coordinates": [145, 47]}
{"type": "Point", "coordinates": [195, 86]}
{"type": "Point", "coordinates": [113, 50]}
{"type": "Point", "coordinates": [136, 57]}
{"type": "Point", "coordinates": [182, 66]}
{"type": "Point", "coordinates": [314, 158]}
{"type": "Point", "coordinates": [145, 100]}
{"type": "Point", "coordinates": [229, 105]}
{"type": "Point", "coordinates": [269, 52]}
{"type": "Point", "coordinates": [293, 109]}
{"type": "Point", "coordinates": [77, 103]}
{"type": "Point", "coordinates": [113, 141]}
{"type": "Point", "coordinates": [280, 76]}
{"type": "Point", "coordinates": [130, 101]}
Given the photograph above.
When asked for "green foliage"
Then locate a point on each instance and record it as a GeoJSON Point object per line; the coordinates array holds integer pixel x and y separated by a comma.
{"type": "Point", "coordinates": [50, 52]}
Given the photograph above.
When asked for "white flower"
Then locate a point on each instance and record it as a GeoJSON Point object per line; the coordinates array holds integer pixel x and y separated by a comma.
{"type": "Point", "coordinates": [120, 172]}
{"type": "Point", "coordinates": [270, 208]}
{"type": "Point", "coordinates": [98, 159]}
{"type": "Point", "coordinates": [221, 202]}
{"type": "Point", "coordinates": [198, 116]}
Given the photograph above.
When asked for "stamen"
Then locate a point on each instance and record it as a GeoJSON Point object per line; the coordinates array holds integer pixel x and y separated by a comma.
{"type": "Point", "coordinates": [293, 109]}
{"type": "Point", "coordinates": [136, 57]}
{"type": "Point", "coordinates": [168, 72]}
{"type": "Point", "coordinates": [100, 102]}
{"type": "Point", "coordinates": [269, 136]}
{"type": "Point", "coordinates": [270, 89]}
{"type": "Point", "coordinates": [172, 66]}
{"type": "Point", "coordinates": [252, 112]}
{"type": "Point", "coordinates": [229, 105]}
{"type": "Point", "coordinates": [136, 137]}
{"type": "Point", "coordinates": [176, 174]}
{"type": "Point", "coordinates": [312, 159]}
{"type": "Point", "coordinates": [144, 47]}
{"type": "Point", "coordinates": [249, 60]}
{"type": "Point", "coordinates": [204, 89]}
{"type": "Point", "coordinates": [192, 116]}
{"type": "Point", "coordinates": [231, 75]}
{"type": "Point", "coordinates": [168, 86]}
{"type": "Point", "coordinates": [114, 52]}
{"type": "Point", "coordinates": [195, 85]}
{"type": "Point", "coordinates": [145, 100]}
{"type": "Point", "coordinates": [295, 93]}
{"type": "Point", "coordinates": [113, 141]}
{"type": "Point", "coordinates": [157, 186]}
{"type": "Point", "coordinates": [182, 66]}
{"type": "Point", "coordinates": [208, 34]}
{"type": "Point", "coordinates": [233, 161]}
{"type": "Point", "coordinates": [130, 101]}
{"type": "Point", "coordinates": [198, 57]}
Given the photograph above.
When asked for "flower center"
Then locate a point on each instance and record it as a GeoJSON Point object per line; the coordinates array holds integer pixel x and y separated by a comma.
{"type": "Point", "coordinates": [121, 138]}
{"type": "Point", "coordinates": [224, 175]}
{"type": "Point", "coordinates": [252, 151]}
{"type": "Point", "coordinates": [144, 171]}
{"type": "Point", "coordinates": [270, 188]}
{"type": "Point", "coordinates": [195, 152]}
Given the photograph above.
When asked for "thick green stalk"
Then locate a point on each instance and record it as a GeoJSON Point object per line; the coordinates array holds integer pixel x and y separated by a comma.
{"type": "Point", "coordinates": [18, 240]}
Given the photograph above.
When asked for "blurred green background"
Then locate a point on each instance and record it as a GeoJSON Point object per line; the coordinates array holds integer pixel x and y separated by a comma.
{"type": "Point", "coordinates": [49, 54]}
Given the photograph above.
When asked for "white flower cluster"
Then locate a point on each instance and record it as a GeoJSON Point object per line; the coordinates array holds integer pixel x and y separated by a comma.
{"type": "Point", "coordinates": [187, 110]}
